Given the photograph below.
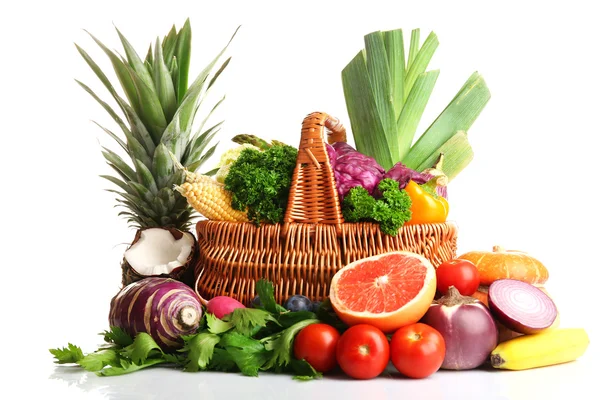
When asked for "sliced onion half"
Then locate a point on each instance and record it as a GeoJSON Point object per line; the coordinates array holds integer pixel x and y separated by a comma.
{"type": "Point", "coordinates": [521, 306]}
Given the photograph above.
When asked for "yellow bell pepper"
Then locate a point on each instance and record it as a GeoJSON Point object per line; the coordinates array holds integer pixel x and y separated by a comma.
{"type": "Point", "coordinates": [426, 208]}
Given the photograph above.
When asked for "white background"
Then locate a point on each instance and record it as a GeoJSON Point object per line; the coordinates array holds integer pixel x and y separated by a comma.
{"type": "Point", "coordinates": [533, 184]}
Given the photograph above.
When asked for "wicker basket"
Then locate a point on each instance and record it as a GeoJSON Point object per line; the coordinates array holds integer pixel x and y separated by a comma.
{"type": "Point", "coordinates": [301, 255]}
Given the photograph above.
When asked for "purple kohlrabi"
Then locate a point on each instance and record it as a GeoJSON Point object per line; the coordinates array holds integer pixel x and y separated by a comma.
{"type": "Point", "coordinates": [352, 168]}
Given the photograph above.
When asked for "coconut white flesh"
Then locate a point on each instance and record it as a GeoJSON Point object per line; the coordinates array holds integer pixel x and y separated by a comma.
{"type": "Point", "coordinates": [157, 252]}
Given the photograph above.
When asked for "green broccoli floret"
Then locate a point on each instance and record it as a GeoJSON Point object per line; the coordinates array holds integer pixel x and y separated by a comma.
{"type": "Point", "coordinates": [260, 182]}
{"type": "Point", "coordinates": [391, 211]}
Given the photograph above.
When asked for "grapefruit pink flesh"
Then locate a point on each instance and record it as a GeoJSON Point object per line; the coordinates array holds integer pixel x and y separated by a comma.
{"type": "Point", "coordinates": [389, 291]}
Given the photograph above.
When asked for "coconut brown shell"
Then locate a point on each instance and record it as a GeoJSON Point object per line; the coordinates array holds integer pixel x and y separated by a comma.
{"type": "Point", "coordinates": [184, 274]}
{"type": "Point", "coordinates": [501, 264]}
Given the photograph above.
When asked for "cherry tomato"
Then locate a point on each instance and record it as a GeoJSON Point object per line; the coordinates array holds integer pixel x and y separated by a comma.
{"type": "Point", "coordinates": [363, 351]}
{"type": "Point", "coordinates": [417, 350]}
{"type": "Point", "coordinates": [462, 274]}
{"type": "Point", "coordinates": [316, 344]}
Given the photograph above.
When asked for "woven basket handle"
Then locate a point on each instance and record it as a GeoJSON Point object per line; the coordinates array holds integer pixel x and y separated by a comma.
{"type": "Point", "coordinates": [313, 197]}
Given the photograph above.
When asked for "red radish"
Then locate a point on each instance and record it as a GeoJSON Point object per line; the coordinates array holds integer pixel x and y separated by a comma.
{"type": "Point", "coordinates": [164, 308]}
{"type": "Point", "coordinates": [220, 306]}
{"type": "Point", "coordinates": [521, 306]}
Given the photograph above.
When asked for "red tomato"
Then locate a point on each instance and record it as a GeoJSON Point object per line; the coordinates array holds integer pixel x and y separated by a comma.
{"type": "Point", "coordinates": [417, 350]}
{"type": "Point", "coordinates": [363, 351]}
{"type": "Point", "coordinates": [462, 274]}
{"type": "Point", "coordinates": [316, 344]}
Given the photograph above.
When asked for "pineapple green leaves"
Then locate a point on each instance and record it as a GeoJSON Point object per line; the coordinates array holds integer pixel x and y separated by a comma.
{"type": "Point", "coordinates": [158, 117]}
{"type": "Point", "coordinates": [386, 92]}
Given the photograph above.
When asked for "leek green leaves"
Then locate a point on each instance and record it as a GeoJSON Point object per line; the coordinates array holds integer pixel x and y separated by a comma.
{"type": "Point", "coordinates": [386, 93]}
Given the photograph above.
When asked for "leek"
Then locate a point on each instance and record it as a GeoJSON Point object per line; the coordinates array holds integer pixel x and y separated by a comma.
{"type": "Point", "coordinates": [386, 92]}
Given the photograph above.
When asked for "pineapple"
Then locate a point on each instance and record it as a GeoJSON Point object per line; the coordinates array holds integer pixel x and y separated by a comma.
{"type": "Point", "coordinates": [158, 130]}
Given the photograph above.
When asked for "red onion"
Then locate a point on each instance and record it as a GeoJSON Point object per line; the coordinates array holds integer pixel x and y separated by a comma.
{"type": "Point", "coordinates": [521, 306]}
{"type": "Point", "coordinates": [468, 328]}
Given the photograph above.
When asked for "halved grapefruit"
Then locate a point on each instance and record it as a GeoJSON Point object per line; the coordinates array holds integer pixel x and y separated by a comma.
{"type": "Point", "coordinates": [389, 290]}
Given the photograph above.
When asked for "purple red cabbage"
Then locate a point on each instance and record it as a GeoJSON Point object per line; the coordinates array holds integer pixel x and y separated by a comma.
{"type": "Point", "coordinates": [403, 175]}
{"type": "Point", "coordinates": [352, 168]}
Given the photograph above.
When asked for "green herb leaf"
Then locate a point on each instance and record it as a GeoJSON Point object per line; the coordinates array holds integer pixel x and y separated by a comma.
{"type": "Point", "coordinates": [128, 367]}
{"type": "Point", "coordinates": [142, 348]}
{"type": "Point", "coordinates": [266, 293]}
{"type": "Point", "coordinates": [281, 345]}
{"type": "Point", "coordinates": [98, 360]}
{"type": "Point", "coordinates": [200, 349]}
{"type": "Point", "coordinates": [248, 354]}
{"type": "Point", "coordinates": [248, 321]}
{"type": "Point", "coordinates": [117, 336]}
{"type": "Point", "coordinates": [288, 319]}
{"type": "Point", "coordinates": [304, 371]}
{"type": "Point", "coordinates": [216, 325]}
{"type": "Point", "coordinates": [222, 361]}
{"type": "Point", "coordinates": [67, 355]}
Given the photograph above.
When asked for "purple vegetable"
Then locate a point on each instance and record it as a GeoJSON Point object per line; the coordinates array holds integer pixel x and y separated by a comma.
{"type": "Point", "coordinates": [468, 328]}
{"type": "Point", "coordinates": [164, 308]}
{"type": "Point", "coordinates": [403, 175]}
{"type": "Point", "coordinates": [352, 168]}
{"type": "Point", "coordinates": [521, 306]}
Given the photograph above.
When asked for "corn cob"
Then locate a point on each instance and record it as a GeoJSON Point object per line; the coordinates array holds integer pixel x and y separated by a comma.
{"type": "Point", "coordinates": [209, 197]}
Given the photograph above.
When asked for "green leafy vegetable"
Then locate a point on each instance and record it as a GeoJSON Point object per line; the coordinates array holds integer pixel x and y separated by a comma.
{"type": "Point", "coordinates": [248, 341]}
{"type": "Point", "coordinates": [281, 344]}
{"type": "Point", "coordinates": [67, 355]}
{"type": "Point", "coordinates": [391, 211]}
{"type": "Point", "coordinates": [200, 349]}
{"type": "Point", "coordinates": [117, 336]}
{"type": "Point", "coordinates": [216, 325]}
{"type": "Point", "coordinates": [248, 321]}
{"type": "Point", "coordinates": [98, 360]}
{"type": "Point", "coordinates": [386, 95]}
{"type": "Point", "coordinates": [260, 182]}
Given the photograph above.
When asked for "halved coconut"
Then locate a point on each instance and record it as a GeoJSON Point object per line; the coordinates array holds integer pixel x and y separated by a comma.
{"type": "Point", "coordinates": [166, 252]}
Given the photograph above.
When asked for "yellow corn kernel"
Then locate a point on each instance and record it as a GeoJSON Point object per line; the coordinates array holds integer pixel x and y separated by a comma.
{"type": "Point", "coordinates": [210, 198]}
